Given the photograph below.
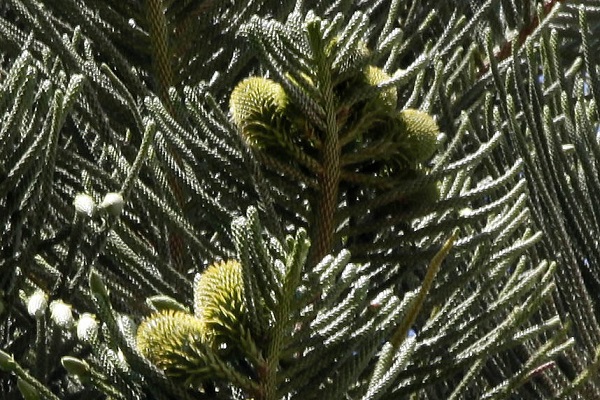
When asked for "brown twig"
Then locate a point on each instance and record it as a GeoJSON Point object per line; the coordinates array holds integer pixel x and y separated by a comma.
{"type": "Point", "coordinates": [506, 50]}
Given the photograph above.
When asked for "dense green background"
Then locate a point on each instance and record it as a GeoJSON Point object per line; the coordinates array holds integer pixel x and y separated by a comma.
{"type": "Point", "coordinates": [132, 97]}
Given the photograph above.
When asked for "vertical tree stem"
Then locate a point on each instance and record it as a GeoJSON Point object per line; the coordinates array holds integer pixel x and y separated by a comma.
{"type": "Point", "coordinates": [329, 180]}
{"type": "Point", "coordinates": [163, 75]}
{"type": "Point", "coordinates": [157, 26]}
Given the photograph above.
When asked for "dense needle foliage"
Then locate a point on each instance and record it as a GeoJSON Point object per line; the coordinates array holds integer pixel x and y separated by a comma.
{"type": "Point", "coordinates": [299, 199]}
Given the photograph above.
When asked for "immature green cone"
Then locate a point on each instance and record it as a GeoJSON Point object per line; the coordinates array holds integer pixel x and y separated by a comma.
{"type": "Point", "coordinates": [219, 298]}
{"type": "Point", "coordinates": [7, 362]}
{"type": "Point", "coordinates": [28, 391]}
{"type": "Point", "coordinates": [76, 367]}
{"type": "Point", "coordinates": [418, 133]}
{"type": "Point", "coordinates": [172, 341]}
{"type": "Point", "coordinates": [386, 100]}
{"type": "Point", "coordinates": [256, 105]}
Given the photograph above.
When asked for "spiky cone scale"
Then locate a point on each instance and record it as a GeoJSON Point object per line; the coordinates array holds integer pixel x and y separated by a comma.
{"type": "Point", "coordinates": [257, 105]}
{"type": "Point", "coordinates": [219, 299]}
{"type": "Point", "coordinates": [418, 135]}
{"type": "Point", "coordinates": [169, 339]}
{"type": "Point", "coordinates": [386, 100]}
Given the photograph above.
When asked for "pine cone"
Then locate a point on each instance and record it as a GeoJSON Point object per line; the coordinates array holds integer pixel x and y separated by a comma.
{"type": "Point", "coordinates": [172, 340]}
{"type": "Point", "coordinates": [418, 133]}
{"type": "Point", "coordinates": [257, 105]}
{"type": "Point", "coordinates": [219, 299]}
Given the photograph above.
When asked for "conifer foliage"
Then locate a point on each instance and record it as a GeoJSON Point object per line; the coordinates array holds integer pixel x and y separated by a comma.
{"type": "Point", "coordinates": [299, 200]}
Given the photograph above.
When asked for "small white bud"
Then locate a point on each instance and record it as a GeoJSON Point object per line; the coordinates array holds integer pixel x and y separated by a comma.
{"type": "Point", "coordinates": [28, 391]}
{"type": "Point", "coordinates": [112, 203]}
{"type": "Point", "coordinates": [121, 356]}
{"type": "Point", "coordinates": [84, 204]}
{"type": "Point", "coordinates": [87, 327]}
{"type": "Point", "coordinates": [568, 148]}
{"type": "Point", "coordinates": [37, 304]}
{"type": "Point", "coordinates": [61, 314]}
{"type": "Point", "coordinates": [76, 367]}
{"type": "Point", "coordinates": [7, 362]}
{"type": "Point", "coordinates": [465, 212]}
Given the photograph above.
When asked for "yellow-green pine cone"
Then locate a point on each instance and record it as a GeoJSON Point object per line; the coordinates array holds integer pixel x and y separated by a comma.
{"type": "Point", "coordinates": [256, 104]}
{"type": "Point", "coordinates": [386, 100]}
{"type": "Point", "coordinates": [170, 340]}
{"type": "Point", "coordinates": [418, 133]}
{"type": "Point", "coordinates": [219, 299]}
